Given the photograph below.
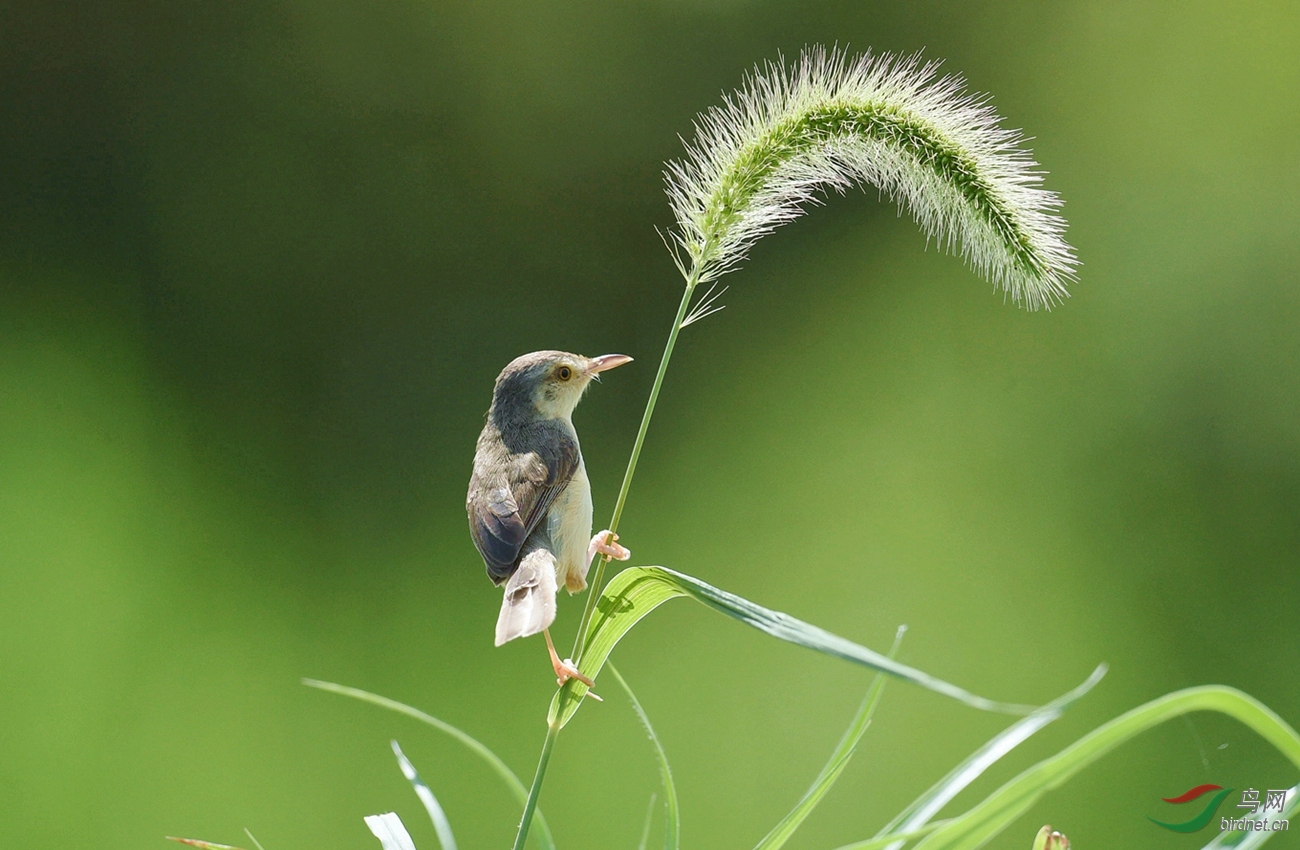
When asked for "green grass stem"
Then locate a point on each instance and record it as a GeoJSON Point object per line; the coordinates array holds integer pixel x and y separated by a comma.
{"type": "Point", "coordinates": [672, 826]}
{"type": "Point", "coordinates": [593, 592]}
{"type": "Point", "coordinates": [535, 791]}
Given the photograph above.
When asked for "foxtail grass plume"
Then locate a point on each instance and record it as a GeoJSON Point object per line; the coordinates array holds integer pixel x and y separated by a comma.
{"type": "Point", "coordinates": [833, 121]}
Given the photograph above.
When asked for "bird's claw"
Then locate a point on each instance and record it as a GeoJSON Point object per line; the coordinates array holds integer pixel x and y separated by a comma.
{"type": "Point", "coordinates": [566, 670]}
{"type": "Point", "coordinates": [606, 543]}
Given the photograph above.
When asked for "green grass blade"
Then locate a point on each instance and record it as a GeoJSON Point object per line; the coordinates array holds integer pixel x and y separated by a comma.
{"type": "Point", "coordinates": [637, 591]}
{"type": "Point", "coordinates": [1247, 840]}
{"type": "Point", "coordinates": [928, 804]}
{"type": "Point", "coordinates": [880, 842]}
{"type": "Point", "coordinates": [253, 839]}
{"type": "Point", "coordinates": [499, 767]}
{"type": "Point", "coordinates": [441, 825]}
{"type": "Point", "coordinates": [672, 827]}
{"type": "Point", "coordinates": [839, 759]}
{"type": "Point", "coordinates": [390, 831]}
{"type": "Point", "coordinates": [649, 818]}
{"type": "Point", "coordinates": [977, 826]}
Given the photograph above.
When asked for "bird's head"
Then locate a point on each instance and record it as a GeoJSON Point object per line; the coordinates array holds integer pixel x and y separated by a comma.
{"type": "Point", "coordinates": [549, 384]}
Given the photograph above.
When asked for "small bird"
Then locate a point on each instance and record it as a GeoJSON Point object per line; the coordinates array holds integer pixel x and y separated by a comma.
{"type": "Point", "coordinates": [529, 500]}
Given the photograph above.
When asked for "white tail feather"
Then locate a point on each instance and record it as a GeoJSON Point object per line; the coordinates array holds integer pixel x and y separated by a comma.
{"type": "Point", "coordinates": [529, 603]}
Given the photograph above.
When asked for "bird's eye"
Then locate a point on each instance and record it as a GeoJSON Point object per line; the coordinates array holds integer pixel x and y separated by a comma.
{"type": "Point", "coordinates": [565, 373]}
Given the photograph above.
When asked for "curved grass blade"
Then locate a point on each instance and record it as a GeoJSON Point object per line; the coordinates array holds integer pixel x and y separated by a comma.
{"type": "Point", "coordinates": [839, 759]}
{"type": "Point", "coordinates": [649, 817]}
{"type": "Point", "coordinates": [637, 591]}
{"type": "Point", "coordinates": [882, 841]}
{"type": "Point", "coordinates": [441, 825]}
{"type": "Point", "coordinates": [977, 826]}
{"type": "Point", "coordinates": [544, 837]}
{"type": "Point", "coordinates": [928, 804]}
{"type": "Point", "coordinates": [390, 831]}
{"type": "Point", "coordinates": [672, 825]}
{"type": "Point", "coordinates": [1248, 840]}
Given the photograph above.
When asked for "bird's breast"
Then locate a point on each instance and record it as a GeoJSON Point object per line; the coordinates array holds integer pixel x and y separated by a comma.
{"type": "Point", "coordinates": [569, 527]}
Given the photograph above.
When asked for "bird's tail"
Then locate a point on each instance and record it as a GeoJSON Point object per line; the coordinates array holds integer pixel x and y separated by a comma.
{"type": "Point", "coordinates": [529, 603]}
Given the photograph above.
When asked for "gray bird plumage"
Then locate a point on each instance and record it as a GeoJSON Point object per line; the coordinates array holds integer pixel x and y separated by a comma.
{"type": "Point", "coordinates": [529, 502]}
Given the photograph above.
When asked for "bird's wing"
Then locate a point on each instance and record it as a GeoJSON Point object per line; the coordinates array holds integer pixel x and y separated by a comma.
{"type": "Point", "coordinates": [518, 500]}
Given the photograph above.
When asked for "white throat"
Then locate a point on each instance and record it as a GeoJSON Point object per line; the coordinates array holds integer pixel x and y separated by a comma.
{"type": "Point", "coordinates": [559, 403]}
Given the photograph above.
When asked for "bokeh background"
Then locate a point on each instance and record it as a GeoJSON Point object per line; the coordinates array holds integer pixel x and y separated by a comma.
{"type": "Point", "coordinates": [261, 261]}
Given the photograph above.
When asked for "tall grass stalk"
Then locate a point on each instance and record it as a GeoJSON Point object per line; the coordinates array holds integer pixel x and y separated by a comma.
{"type": "Point", "coordinates": [692, 280]}
{"type": "Point", "coordinates": [593, 594]}
{"type": "Point", "coordinates": [535, 791]}
{"type": "Point", "coordinates": [830, 122]}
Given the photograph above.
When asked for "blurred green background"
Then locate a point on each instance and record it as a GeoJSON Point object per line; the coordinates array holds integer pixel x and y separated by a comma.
{"type": "Point", "coordinates": [261, 261]}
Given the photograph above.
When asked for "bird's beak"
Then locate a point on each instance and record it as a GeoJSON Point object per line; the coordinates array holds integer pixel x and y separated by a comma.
{"type": "Point", "coordinates": [605, 362]}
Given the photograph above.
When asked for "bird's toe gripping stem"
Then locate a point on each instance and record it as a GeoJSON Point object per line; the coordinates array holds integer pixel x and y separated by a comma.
{"type": "Point", "coordinates": [606, 543]}
{"type": "Point", "coordinates": [566, 669]}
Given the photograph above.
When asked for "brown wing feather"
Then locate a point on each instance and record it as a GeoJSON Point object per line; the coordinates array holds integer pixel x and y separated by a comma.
{"type": "Point", "coordinates": [510, 493]}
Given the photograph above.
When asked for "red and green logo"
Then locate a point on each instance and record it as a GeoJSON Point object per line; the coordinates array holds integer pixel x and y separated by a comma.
{"type": "Point", "coordinates": [1206, 815]}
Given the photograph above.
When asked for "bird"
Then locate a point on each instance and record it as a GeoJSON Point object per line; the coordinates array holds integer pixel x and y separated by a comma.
{"type": "Point", "coordinates": [529, 500]}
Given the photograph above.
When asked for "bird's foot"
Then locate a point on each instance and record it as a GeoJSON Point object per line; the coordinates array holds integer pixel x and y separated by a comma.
{"type": "Point", "coordinates": [606, 543]}
{"type": "Point", "coordinates": [566, 669]}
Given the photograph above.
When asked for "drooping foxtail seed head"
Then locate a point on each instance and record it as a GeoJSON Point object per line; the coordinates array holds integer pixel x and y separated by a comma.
{"type": "Point", "coordinates": [831, 122]}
